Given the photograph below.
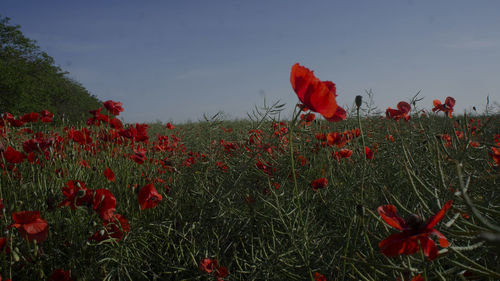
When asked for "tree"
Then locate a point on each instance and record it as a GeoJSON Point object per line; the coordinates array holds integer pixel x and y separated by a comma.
{"type": "Point", "coordinates": [30, 81]}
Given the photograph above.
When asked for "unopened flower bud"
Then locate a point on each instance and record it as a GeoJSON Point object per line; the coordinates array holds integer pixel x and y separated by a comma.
{"type": "Point", "coordinates": [358, 100]}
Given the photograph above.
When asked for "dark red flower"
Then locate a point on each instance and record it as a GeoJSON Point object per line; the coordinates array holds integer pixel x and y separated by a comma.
{"type": "Point", "coordinates": [343, 153]}
{"type": "Point", "coordinates": [368, 153]}
{"type": "Point", "coordinates": [108, 173]}
{"type": "Point", "coordinates": [113, 107]}
{"type": "Point", "coordinates": [208, 265]}
{"type": "Point", "coordinates": [495, 155]}
{"type": "Point", "coordinates": [60, 275]}
{"type": "Point", "coordinates": [139, 155]}
{"type": "Point", "coordinates": [318, 96]}
{"type": "Point", "coordinates": [104, 203]}
{"type": "Point", "coordinates": [115, 123]}
{"type": "Point", "coordinates": [265, 167]}
{"type": "Point", "coordinates": [30, 117]}
{"type": "Point", "coordinates": [170, 126]}
{"type": "Point", "coordinates": [319, 277]}
{"type": "Point", "coordinates": [30, 225]}
{"type": "Point", "coordinates": [221, 272]}
{"type": "Point", "coordinates": [447, 107]}
{"type": "Point", "coordinates": [13, 156]}
{"type": "Point", "coordinates": [76, 194]}
{"type": "Point", "coordinates": [46, 116]}
{"type": "Point", "coordinates": [148, 197]}
{"type": "Point", "coordinates": [413, 232]}
{"type": "Point", "coordinates": [319, 183]}
{"type": "Point", "coordinates": [400, 113]}
{"type": "Point", "coordinates": [114, 227]}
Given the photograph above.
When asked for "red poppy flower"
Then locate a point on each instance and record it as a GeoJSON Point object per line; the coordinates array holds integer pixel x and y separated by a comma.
{"type": "Point", "coordinates": [104, 203]}
{"type": "Point", "coordinates": [30, 225]}
{"type": "Point", "coordinates": [208, 265]}
{"type": "Point", "coordinates": [400, 113]}
{"type": "Point", "coordinates": [447, 107]}
{"type": "Point", "coordinates": [221, 272]}
{"type": "Point", "coordinates": [495, 155]}
{"type": "Point", "coordinates": [115, 227]}
{"type": "Point", "coordinates": [113, 107]}
{"type": "Point", "coordinates": [148, 197]}
{"type": "Point", "coordinates": [319, 277]}
{"type": "Point", "coordinates": [418, 278]}
{"type": "Point", "coordinates": [13, 156]}
{"type": "Point", "coordinates": [30, 117]}
{"type": "Point", "coordinates": [170, 126]}
{"type": "Point", "coordinates": [319, 183]}
{"type": "Point", "coordinates": [368, 153]}
{"type": "Point", "coordinates": [76, 194]}
{"type": "Point", "coordinates": [139, 155]}
{"type": "Point", "coordinates": [60, 275]}
{"type": "Point", "coordinates": [115, 123]}
{"type": "Point", "coordinates": [46, 116]}
{"type": "Point", "coordinates": [108, 173]}
{"type": "Point", "coordinates": [413, 232]}
{"type": "Point", "coordinates": [16, 122]}
{"type": "Point", "coordinates": [318, 96]}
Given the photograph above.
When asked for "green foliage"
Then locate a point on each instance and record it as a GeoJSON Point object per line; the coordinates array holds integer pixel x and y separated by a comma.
{"type": "Point", "coordinates": [31, 82]}
{"type": "Point", "coordinates": [262, 226]}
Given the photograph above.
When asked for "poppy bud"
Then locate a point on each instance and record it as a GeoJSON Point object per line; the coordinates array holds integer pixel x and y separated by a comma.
{"type": "Point", "coordinates": [358, 100]}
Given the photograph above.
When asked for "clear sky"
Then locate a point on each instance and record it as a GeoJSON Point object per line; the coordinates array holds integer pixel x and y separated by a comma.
{"type": "Point", "coordinates": [175, 60]}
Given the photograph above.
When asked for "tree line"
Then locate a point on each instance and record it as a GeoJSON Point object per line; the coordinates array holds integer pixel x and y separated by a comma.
{"type": "Point", "coordinates": [30, 81]}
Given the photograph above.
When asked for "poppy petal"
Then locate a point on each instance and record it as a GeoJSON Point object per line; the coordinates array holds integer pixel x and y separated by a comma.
{"type": "Point", "coordinates": [391, 217]}
{"type": "Point", "coordinates": [443, 242]}
{"type": "Point", "coordinates": [438, 216]}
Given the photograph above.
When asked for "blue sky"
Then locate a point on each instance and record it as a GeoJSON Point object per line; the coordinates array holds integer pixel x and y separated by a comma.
{"type": "Point", "coordinates": [175, 60]}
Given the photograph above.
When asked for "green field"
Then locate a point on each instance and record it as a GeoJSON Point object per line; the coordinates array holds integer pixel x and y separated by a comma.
{"type": "Point", "coordinates": [238, 200]}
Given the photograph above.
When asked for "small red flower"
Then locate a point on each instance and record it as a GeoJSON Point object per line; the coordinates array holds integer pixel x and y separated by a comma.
{"type": "Point", "coordinates": [46, 116]}
{"type": "Point", "coordinates": [319, 183]}
{"type": "Point", "coordinates": [368, 153]}
{"type": "Point", "coordinates": [148, 197]}
{"type": "Point", "coordinates": [447, 107]}
{"type": "Point", "coordinates": [400, 113]}
{"type": "Point", "coordinates": [495, 155]}
{"type": "Point", "coordinates": [104, 203]}
{"type": "Point", "coordinates": [108, 173]}
{"type": "Point", "coordinates": [30, 225]}
{"type": "Point", "coordinates": [115, 123]}
{"type": "Point", "coordinates": [343, 153]}
{"type": "Point", "coordinates": [318, 96]}
{"type": "Point", "coordinates": [30, 117]}
{"type": "Point", "coordinates": [413, 232]}
{"type": "Point", "coordinates": [13, 156]}
{"type": "Point", "coordinates": [113, 107]}
{"type": "Point", "coordinates": [115, 227]}
{"type": "Point", "coordinates": [170, 126]}
{"type": "Point", "coordinates": [139, 155]}
{"type": "Point", "coordinates": [76, 194]}
{"type": "Point", "coordinates": [60, 275]}
{"type": "Point", "coordinates": [319, 277]}
{"type": "Point", "coordinates": [208, 265]}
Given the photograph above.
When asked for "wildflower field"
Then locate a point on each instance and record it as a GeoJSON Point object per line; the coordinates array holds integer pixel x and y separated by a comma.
{"type": "Point", "coordinates": [412, 195]}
